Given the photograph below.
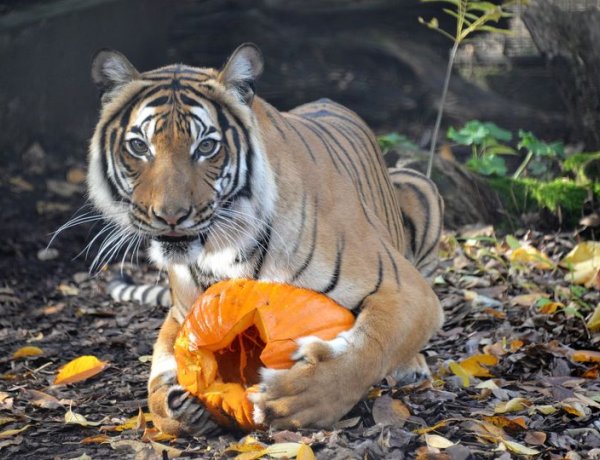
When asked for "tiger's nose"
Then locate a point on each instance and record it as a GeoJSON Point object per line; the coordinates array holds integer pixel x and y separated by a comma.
{"type": "Point", "coordinates": [171, 217]}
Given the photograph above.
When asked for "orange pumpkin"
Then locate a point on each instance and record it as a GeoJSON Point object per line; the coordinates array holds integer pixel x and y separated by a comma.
{"type": "Point", "coordinates": [238, 326]}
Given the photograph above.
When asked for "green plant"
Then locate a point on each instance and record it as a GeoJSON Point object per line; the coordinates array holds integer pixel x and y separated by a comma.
{"type": "Point", "coordinates": [538, 151]}
{"type": "Point", "coordinates": [487, 144]}
{"type": "Point", "coordinates": [471, 16]}
{"type": "Point", "coordinates": [394, 140]}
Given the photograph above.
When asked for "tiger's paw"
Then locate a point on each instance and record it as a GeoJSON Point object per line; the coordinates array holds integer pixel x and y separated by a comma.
{"type": "Point", "coordinates": [415, 371]}
{"type": "Point", "coordinates": [185, 414]}
{"type": "Point", "coordinates": [317, 391]}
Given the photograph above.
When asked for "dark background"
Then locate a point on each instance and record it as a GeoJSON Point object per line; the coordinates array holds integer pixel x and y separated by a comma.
{"type": "Point", "coordinates": [373, 56]}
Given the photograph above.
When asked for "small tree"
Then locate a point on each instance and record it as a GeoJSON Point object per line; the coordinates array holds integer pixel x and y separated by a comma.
{"type": "Point", "coordinates": [471, 16]}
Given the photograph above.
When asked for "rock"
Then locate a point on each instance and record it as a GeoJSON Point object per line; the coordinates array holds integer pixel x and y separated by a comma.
{"type": "Point", "coordinates": [47, 254]}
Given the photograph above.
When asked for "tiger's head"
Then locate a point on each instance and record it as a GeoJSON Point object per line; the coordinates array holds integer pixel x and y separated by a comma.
{"type": "Point", "coordinates": [176, 149]}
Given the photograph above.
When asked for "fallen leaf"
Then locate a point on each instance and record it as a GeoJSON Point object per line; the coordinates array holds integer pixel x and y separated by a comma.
{"type": "Point", "coordinates": [546, 409]}
{"type": "Point", "coordinates": [98, 439]}
{"type": "Point", "coordinates": [5, 420]}
{"type": "Point", "coordinates": [519, 448]}
{"type": "Point", "coordinates": [8, 433]}
{"type": "Point", "coordinates": [594, 321]}
{"type": "Point", "coordinates": [79, 369]}
{"type": "Point", "coordinates": [67, 289]}
{"type": "Point", "coordinates": [166, 451]}
{"type": "Point", "coordinates": [584, 264]}
{"type": "Point", "coordinates": [458, 370]}
{"type": "Point", "coordinates": [154, 434]}
{"type": "Point", "coordinates": [585, 356]}
{"type": "Point", "coordinates": [536, 438]}
{"type": "Point", "coordinates": [428, 429]}
{"type": "Point", "coordinates": [305, 452]}
{"type": "Point", "coordinates": [25, 352]}
{"type": "Point", "coordinates": [43, 400]}
{"type": "Point", "coordinates": [514, 405]}
{"type": "Point", "coordinates": [76, 176]}
{"type": "Point", "coordinates": [510, 425]}
{"type": "Point", "coordinates": [390, 411]}
{"type": "Point", "coordinates": [475, 365]}
{"type": "Point", "coordinates": [72, 418]}
{"type": "Point", "coordinates": [531, 256]}
{"type": "Point", "coordinates": [283, 449]}
{"type": "Point", "coordinates": [438, 442]}
{"type": "Point", "coordinates": [527, 300]}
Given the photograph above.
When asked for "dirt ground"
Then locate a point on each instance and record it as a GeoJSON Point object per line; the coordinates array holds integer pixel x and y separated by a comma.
{"type": "Point", "coordinates": [535, 396]}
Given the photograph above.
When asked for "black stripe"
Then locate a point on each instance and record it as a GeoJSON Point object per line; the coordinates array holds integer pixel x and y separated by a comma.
{"type": "Point", "coordinates": [427, 209]}
{"type": "Point", "coordinates": [335, 277]}
{"type": "Point", "coordinates": [263, 253]}
{"type": "Point", "coordinates": [410, 226]}
{"type": "Point", "coordinates": [377, 283]}
{"type": "Point", "coordinates": [275, 123]}
{"type": "Point", "coordinates": [302, 222]}
{"type": "Point", "coordinates": [313, 246]}
{"type": "Point", "coordinates": [308, 149]}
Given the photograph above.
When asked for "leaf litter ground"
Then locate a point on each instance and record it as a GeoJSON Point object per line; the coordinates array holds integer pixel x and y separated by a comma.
{"type": "Point", "coordinates": [513, 371]}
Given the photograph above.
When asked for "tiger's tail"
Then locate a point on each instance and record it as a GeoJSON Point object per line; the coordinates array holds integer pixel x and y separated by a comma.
{"type": "Point", "coordinates": [422, 209]}
{"type": "Point", "coordinates": [123, 289]}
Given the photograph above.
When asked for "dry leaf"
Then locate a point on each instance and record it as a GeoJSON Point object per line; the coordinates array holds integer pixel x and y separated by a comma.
{"type": "Point", "coordinates": [531, 256]}
{"type": "Point", "coordinates": [5, 420]}
{"type": "Point", "coordinates": [283, 449]}
{"type": "Point", "coordinates": [432, 428]}
{"type": "Point", "coordinates": [585, 356]}
{"type": "Point", "coordinates": [458, 370]}
{"type": "Point", "coordinates": [536, 438]}
{"type": "Point", "coordinates": [8, 433]}
{"type": "Point", "coordinates": [43, 400]}
{"type": "Point", "coordinates": [72, 418]}
{"type": "Point", "coordinates": [98, 439]}
{"type": "Point", "coordinates": [584, 264]}
{"type": "Point", "coordinates": [594, 321]}
{"type": "Point", "coordinates": [76, 176]}
{"type": "Point", "coordinates": [474, 365]}
{"type": "Point", "coordinates": [28, 351]}
{"type": "Point", "coordinates": [546, 409]}
{"type": "Point", "coordinates": [305, 452]}
{"type": "Point", "coordinates": [389, 411]}
{"type": "Point", "coordinates": [438, 442]}
{"type": "Point", "coordinates": [519, 448]}
{"type": "Point", "coordinates": [67, 289]}
{"type": "Point", "coordinates": [510, 425]}
{"type": "Point", "coordinates": [514, 405]}
{"type": "Point", "coordinates": [168, 451]}
{"type": "Point", "coordinates": [79, 369]}
{"type": "Point", "coordinates": [527, 300]}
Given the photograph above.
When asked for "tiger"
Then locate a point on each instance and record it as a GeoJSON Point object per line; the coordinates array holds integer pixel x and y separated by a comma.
{"type": "Point", "coordinates": [223, 185]}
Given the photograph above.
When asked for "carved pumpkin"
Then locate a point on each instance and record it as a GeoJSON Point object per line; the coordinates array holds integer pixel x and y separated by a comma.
{"type": "Point", "coordinates": [238, 326]}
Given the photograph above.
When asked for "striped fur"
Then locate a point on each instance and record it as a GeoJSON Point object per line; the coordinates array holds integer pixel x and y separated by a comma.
{"type": "Point", "coordinates": [223, 185]}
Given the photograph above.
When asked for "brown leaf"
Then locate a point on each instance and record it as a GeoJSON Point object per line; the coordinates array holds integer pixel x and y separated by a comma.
{"type": "Point", "coordinates": [535, 438]}
{"type": "Point", "coordinates": [389, 411]}
{"type": "Point", "coordinates": [8, 433]}
{"type": "Point", "coordinates": [585, 356]}
{"type": "Point", "coordinates": [98, 439]}
{"type": "Point", "coordinates": [40, 399]}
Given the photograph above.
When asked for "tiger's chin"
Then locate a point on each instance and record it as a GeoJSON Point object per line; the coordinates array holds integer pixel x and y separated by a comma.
{"type": "Point", "coordinates": [165, 252]}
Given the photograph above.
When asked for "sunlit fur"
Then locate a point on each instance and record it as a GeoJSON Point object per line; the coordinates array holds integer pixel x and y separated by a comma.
{"type": "Point", "coordinates": [301, 197]}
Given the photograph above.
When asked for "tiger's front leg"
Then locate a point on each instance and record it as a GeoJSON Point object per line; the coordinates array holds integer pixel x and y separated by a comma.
{"type": "Point", "coordinates": [175, 410]}
{"type": "Point", "coordinates": [329, 377]}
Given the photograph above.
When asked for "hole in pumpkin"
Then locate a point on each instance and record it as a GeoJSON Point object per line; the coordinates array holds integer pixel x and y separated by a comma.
{"type": "Point", "coordinates": [240, 361]}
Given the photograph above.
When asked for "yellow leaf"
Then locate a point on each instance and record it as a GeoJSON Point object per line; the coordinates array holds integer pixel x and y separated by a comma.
{"type": "Point", "coordinates": [305, 453]}
{"type": "Point", "coordinates": [437, 441]}
{"type": "Point", "coordinates": [586, 356]}
{"type": "Point", "coordinates": [460, 372]}
{"type": "Point", "coordinates": [283, 449]}
{"type": "Point", "coordinates": [519, 448]}
{"type": "Point", "coordinates": [5, 420]}
{"type": "Point", "coordinates": [8, 433]}
{"type": "Point", "coordinates": [166, 451]}
{"type": "Point", "coordinates": [527, 300]}
{"type": "Point", "coordinates": [474, 365]}
{"type": "Point", "coordinates": [25, 352]}
{"type": "Point", "coordinates": [581, 253]}
{"type": "Point", "coordinates": [584, 263]}
{"type": "Point", "coordinates": [137, 422]}
{"type": "Point", "coordinates": [549, 308]}
{"type": "Point", "coordinates": [575, 408]}
{"type": "Point", "coordinates": [79, 369]}
{"type": "Point", "coordinates": [546, 409]}
{"type": "Point", "coordinates": [531, 256]}
{"type": "Point", "coordinates": [594, 322]}
{"type": "Point", "coordinates": [72, 418]}
{"type": "Point", "coordinates": [514, 405]}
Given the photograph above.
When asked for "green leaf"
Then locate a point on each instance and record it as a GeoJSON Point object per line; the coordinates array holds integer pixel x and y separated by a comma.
{"type": "Point", "coordinates": [539, 148]}
{"type": "Point", "coordinates": [489, 165]}
{"type": "Point", "coordinates": [500, 149]}
{"type": "Point", "coordinates": [393, 140]}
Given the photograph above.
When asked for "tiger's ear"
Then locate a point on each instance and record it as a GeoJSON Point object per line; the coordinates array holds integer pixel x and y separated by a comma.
{"type": "Point", "coordinates": [110, 70]}
{"type": "Point", "coordinates": [243, 67]}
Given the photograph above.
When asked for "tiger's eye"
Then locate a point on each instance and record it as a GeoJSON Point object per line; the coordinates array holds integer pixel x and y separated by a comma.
{"type": "Point", "coordinates": [206, 146]}
{"type": "Point", "coordinates": [137, 147]}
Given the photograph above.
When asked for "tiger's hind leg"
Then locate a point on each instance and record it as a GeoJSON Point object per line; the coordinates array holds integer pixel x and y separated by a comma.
{"type": "Point", "coordinates": [422, 210]}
